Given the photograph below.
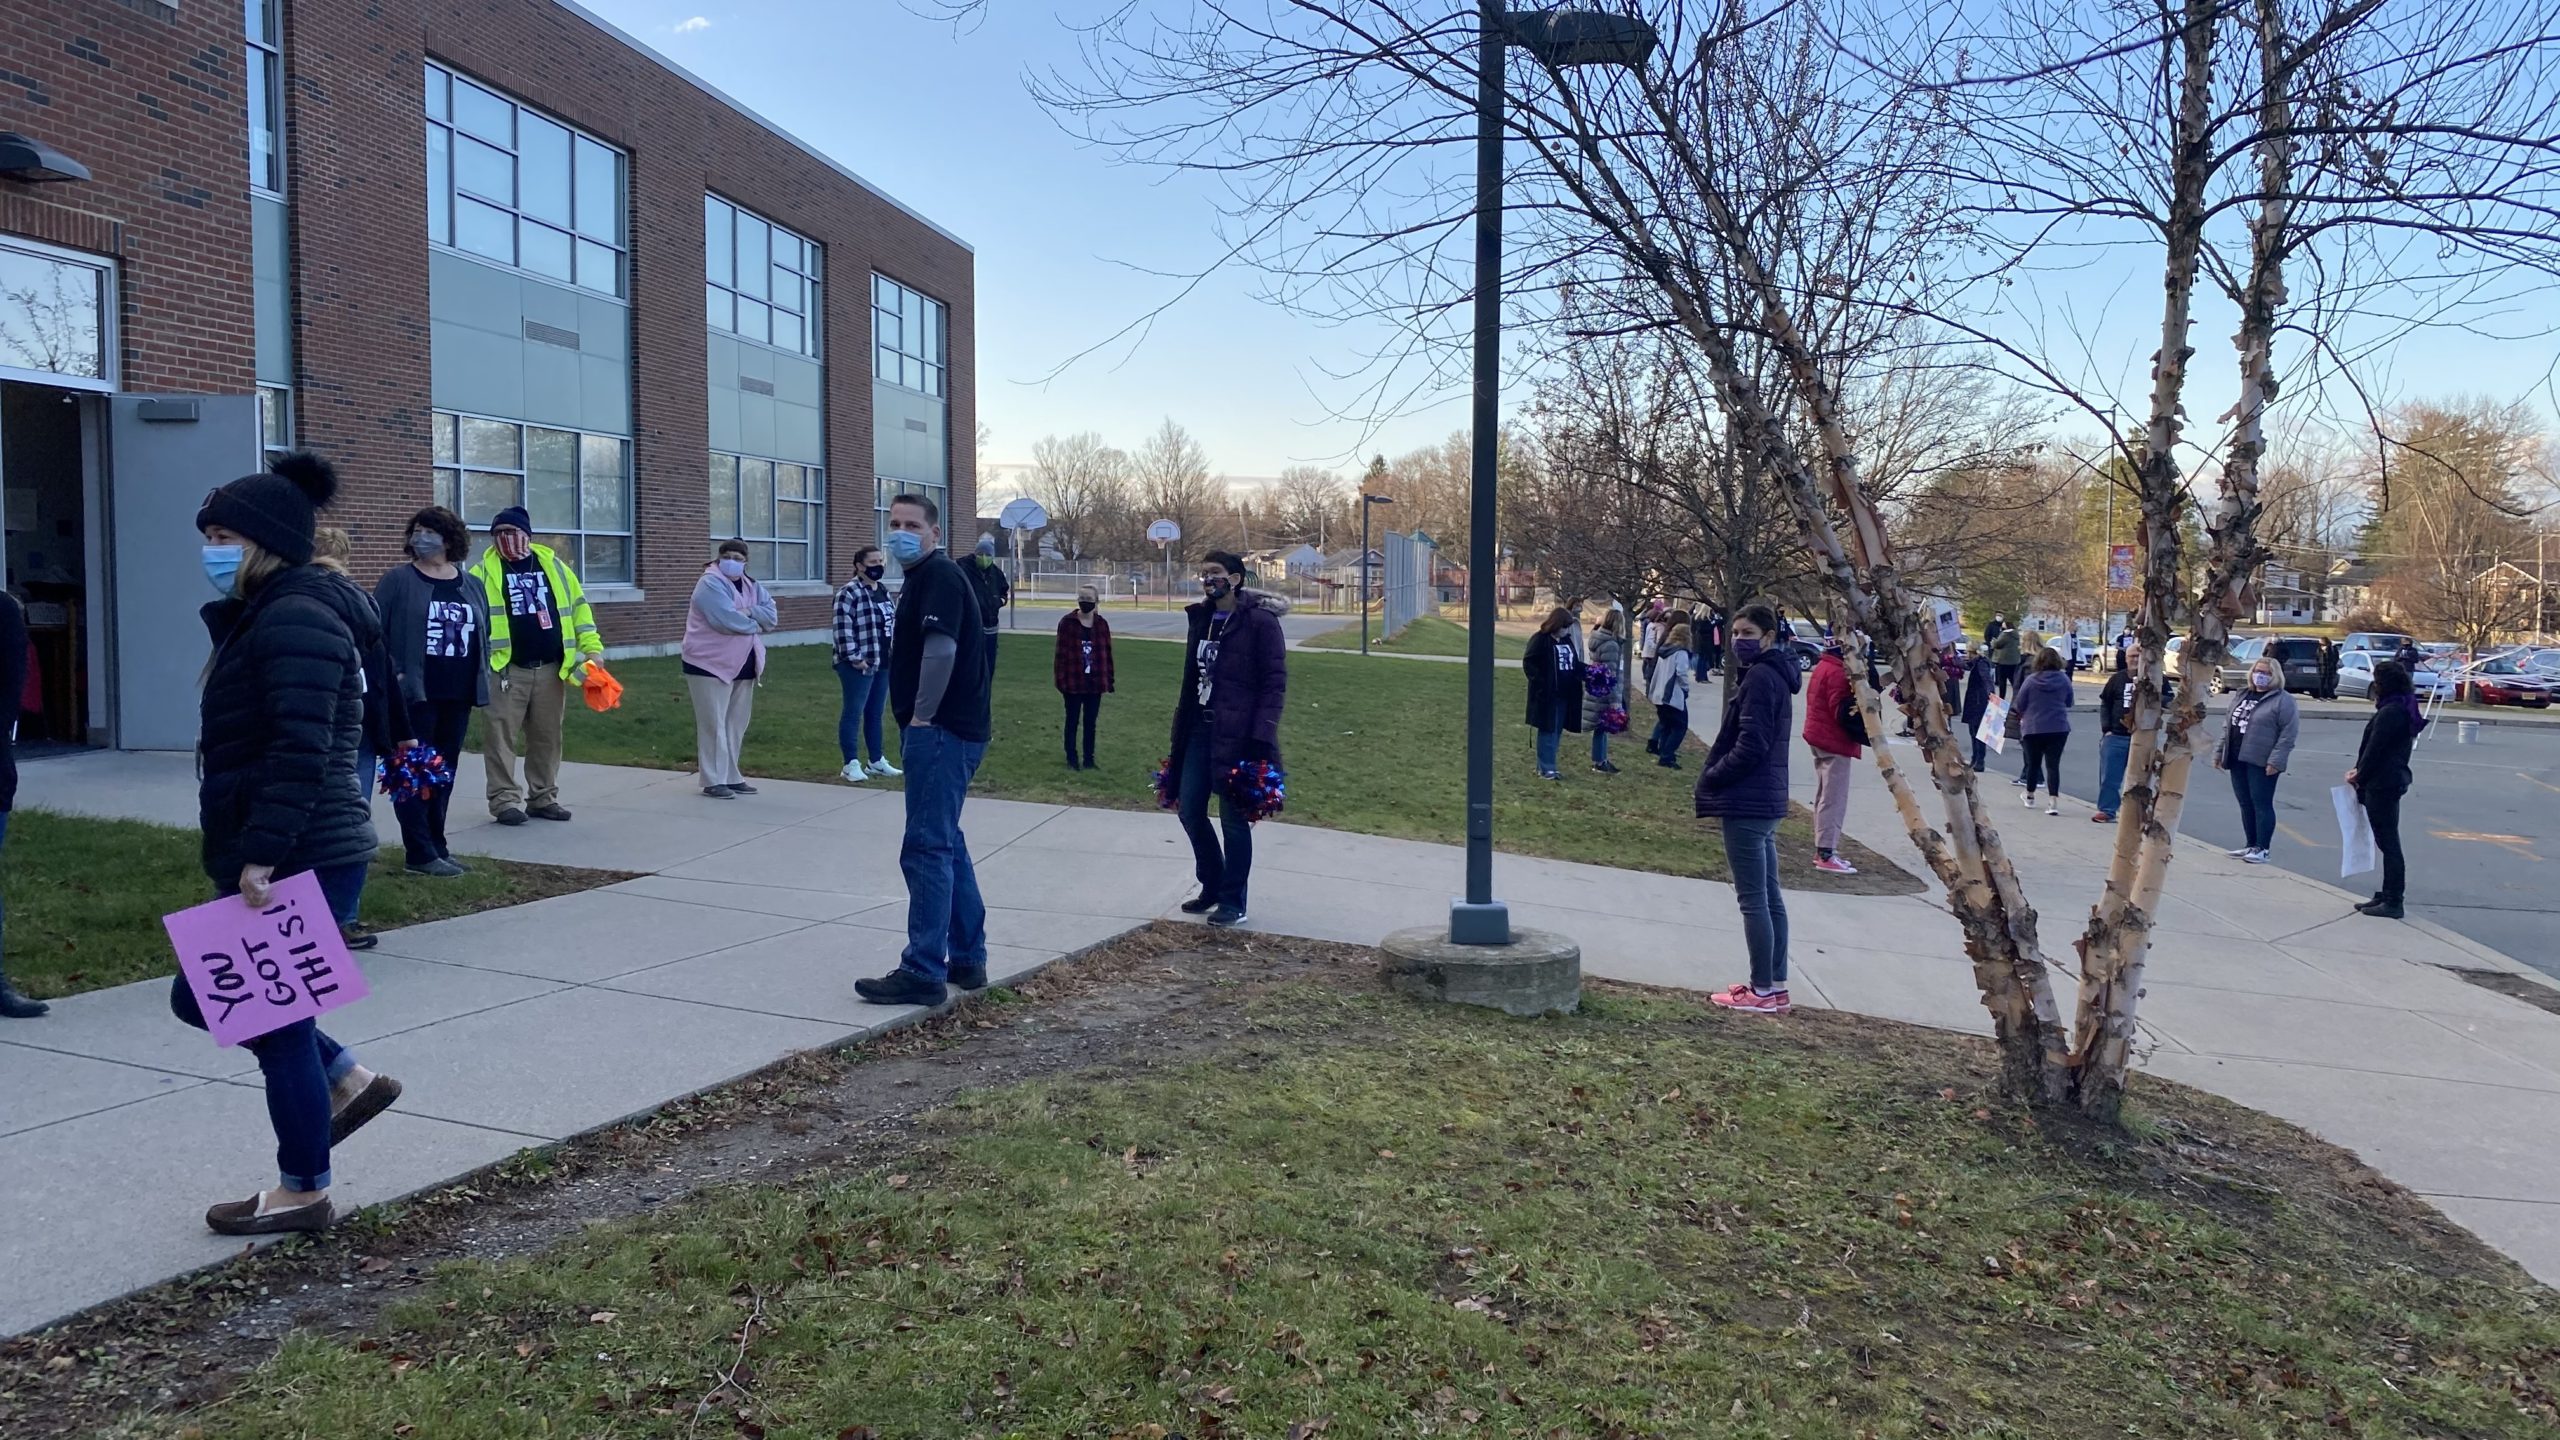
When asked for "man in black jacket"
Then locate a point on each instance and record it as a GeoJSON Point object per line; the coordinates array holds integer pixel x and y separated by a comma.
{"type": "Point", "coordinates": [994, 592]}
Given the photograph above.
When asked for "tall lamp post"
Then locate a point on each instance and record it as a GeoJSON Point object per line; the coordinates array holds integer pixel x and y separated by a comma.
{"type": "Point", "coordinates": [1559, 38]}
{"type": "Point", "coordinates": [1365, 502]}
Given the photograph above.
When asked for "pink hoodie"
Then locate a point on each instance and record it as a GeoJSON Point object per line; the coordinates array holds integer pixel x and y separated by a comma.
{"type": "Point", "coordinates": [724, 629]}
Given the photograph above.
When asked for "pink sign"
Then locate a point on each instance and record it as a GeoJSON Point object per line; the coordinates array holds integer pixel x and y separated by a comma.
{"type": "Point", "coordinates": [259, 970]}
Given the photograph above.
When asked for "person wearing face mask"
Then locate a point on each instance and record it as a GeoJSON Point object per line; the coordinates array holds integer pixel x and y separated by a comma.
{"type": "Point", "coordinates": [864, 612]}
{"type": "Point", "coordinates": [283, 712]}
{"type": "Point", "coordinates": [1083, 670]}
{"type": "Point", "coordinates": [723, 659]}
{"type": "Point", "coordinates": [2257, 741]}
{"type": "Point", "coordinates": [436, 622]}
{"type": "Point", "coordinates": [986, 578]}
{"type": "Point", "coordinates": [1235, 679]}
{"type": "Point", "coordinates": [1744, 787]}
{"type": "Point", "coordinates": [541, 636]}
{"type": "Point", "coordinates": [939, 668]}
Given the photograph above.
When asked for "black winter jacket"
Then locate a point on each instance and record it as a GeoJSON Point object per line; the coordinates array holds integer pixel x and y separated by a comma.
{"type": "Point", "coordinates": [386, 702]}
{"type": "Point", "coordinates": [2382, 756]}
{"type": "Point", "coordinates": [1745, 777]}
{"type": "Point", "coordinates": [283, 709]}
{"type": "Point", "coordinates": [1555, 678]}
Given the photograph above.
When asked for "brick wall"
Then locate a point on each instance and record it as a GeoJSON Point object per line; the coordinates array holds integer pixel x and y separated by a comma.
{"type": "Point", "coordinates": [356, 149]}
{"type": "Point", "coordinates": [149, 97]}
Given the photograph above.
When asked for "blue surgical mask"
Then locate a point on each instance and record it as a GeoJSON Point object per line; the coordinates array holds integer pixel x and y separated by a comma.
{"type": "Point", "coordinates": [904, 546]}
{"type": "Point", "coordinates": [733, 568]}
{"type": "Point", "coordinates": [1746, 651]}
{"type": "Point", "coordinates": [222, 567]}
{"type": "Point", "coordinates": [2261, 680]}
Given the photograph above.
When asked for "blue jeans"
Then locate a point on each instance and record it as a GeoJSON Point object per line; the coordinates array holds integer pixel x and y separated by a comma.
{"type": "Point", "coordinates": [1599, 746]}
{"type": "Point", "coordinates": [2256, 791]}
{"type": "Point", "coordinates": [1549, 741]}
{"type": "Point", "coordinates": [866, 692]}
{"type": "Point", "coordinates": [2113, 752]}
{"type": "Point", "coordinates": [1224, 871]}
{"type": "Point", "coordinates": [299, 1062]}
{"type": "Point", "coordinates": [946, 918]}
{"type": "Point", "coordinates": [1751, 849]}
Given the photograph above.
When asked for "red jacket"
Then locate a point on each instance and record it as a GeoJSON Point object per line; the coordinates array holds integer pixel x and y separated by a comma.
{"type": "Point", "coordinates": [1824, 692]}
{"type": "Point", "coordinates": [1073, 675]}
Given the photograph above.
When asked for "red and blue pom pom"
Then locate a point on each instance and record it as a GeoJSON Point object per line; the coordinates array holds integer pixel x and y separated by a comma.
{"type": "Point", "coordinates": [417, 770]}
{"type": "Point", "coordinates": [1599, 681]}
{"type": "Point", "coordinates": [1612, 721]}
{"type": "Point", "coordinates": [1163, 782]}
{"type": "Point", "coordinates": [1259, 787]}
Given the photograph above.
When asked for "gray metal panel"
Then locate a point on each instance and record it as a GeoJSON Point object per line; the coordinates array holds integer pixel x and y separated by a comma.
{"type": "Point", "coordinates": [720, 354]}
{"type": "Point", "coordinates": [158, 474]}
{"type": "Point", "coordinates": [798, 380]}
{"type": "Point", "coordinates": [604, 328]}
{"type": "Point", "coordinates": [553, 387]}
{"type": "Point", "coordinates": [755, 424]}
{"type": "Point", "coordinates": [272, 290]}
{"type": "Point", "coordinates": [724, 417]}
{"type": "Point", "coordinates": [550, 304]}
{"type": "Point", "coordinates": [755, 362]}
{"type": "Point", "coordinates": [476, 371]}
{"type": "Point", "coordinates": [902, 453]}
{"type": "Point", "coordinates": [466, 292]}
{"type": "Point", "coordinates": [799, 433]}
{"type": "Point", "coordinates": [604, 395]}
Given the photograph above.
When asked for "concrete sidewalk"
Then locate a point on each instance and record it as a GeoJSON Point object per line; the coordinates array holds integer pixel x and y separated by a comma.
{"type": "Point", "coordinates": [518, 1027]}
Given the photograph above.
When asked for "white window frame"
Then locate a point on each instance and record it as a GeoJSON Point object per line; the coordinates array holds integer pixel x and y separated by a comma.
{"type": "Point", "coordinates": [440, 84]}
{"type": "Point", "coordinates": [277, 439]}
{"type": "Point", "coordinates": [265, 59]}
{"type": "Point", "coordinates": [727, 293]}
{"type": "Point", "coordinates": [108, 339]}
{"type": "Point", "coordinates": [925, 368]}
{"type": "Point", "coordinates": [763, 534]}
{"type": "Point", "coordinates": [448, 480]}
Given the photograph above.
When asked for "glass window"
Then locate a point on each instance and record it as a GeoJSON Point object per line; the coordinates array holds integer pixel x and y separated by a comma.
{"type": "Point", "coordinates": [778, 508]}
{"type": "Point", "coordinates": [761, 280]}
{"type": "Point", "coordinates": [884, 489]}
{"type": "Point", "coordinates": [576, 486]}
{"type": "Point", "coordinates": [275, 420]}
{"type": "Point", "coordinates": [266, 94]}
{"type": "Point", "coordinates": [53, 316]}
{"type": "Point", "coordinates": [520, 188]}
{"type": "Point", "coordinates": [907, 333]}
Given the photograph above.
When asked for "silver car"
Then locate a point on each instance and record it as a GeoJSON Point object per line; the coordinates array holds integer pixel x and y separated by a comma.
{"type": "Point", "coordinates": [2355, 676]}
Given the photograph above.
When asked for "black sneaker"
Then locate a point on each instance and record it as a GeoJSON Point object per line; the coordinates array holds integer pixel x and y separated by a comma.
{"type": "Point", "coordinates": [438, 867]}
{"type": "Point", "coordinates": [14, 1006]}
{"type": "Point", "coordinates": [1226, 915]}
{"type": "Point", "coordinates": [551, 811]}
{"type": "Point", "coordinates": [720, 792]}
{"type": "Point", "coordinates": [1200, 904]}
{"type": "Point", "coordinates": [356, 937]}
{"type": "Point", "coordinates": [511, 816]}
{"type": "Point", "coordinates": [741, 788]}
{"type": "Point", "coordinates": [2383, 910]}
{"type": "Point", "coordinates": [1071, 763]}
{"type": "Point", "coordinates": [901, 987]}
{"type": "Point", "coordinates": [968, 977]}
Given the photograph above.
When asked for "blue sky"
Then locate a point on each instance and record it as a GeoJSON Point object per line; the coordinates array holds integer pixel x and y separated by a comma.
{"type": "Point", "coordinates": [1064, 235]}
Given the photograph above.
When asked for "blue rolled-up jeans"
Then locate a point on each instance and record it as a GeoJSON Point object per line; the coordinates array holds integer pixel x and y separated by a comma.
{"type": "Point", "coordinates": [1751, 849]}
{"type": "Point", "coordinates": [299, 1062]}
{"type": "Point", "coordinates": [866, 692]}
{"type": "Point", "coordinates": [2113, 753]}
{"type": "Point", "coordinates": [946, 918]}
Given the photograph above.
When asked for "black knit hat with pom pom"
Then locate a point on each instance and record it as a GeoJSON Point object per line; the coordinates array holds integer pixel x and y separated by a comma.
{"type": "Point", "coordinates": [275, 507]}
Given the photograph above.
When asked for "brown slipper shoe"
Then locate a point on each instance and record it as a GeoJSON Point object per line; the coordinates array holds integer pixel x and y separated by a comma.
{"type": "Point", "coordinates": [241, 1217]}
{"type": "Point", "coordinates": [376, 1097]}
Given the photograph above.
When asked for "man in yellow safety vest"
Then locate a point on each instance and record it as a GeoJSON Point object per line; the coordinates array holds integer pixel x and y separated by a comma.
{"type": "Point", "coordinates": [541, 636]}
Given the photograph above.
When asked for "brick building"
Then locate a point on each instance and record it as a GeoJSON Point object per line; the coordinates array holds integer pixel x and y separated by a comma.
{"type": "Point", "coordinates": [479, 253]}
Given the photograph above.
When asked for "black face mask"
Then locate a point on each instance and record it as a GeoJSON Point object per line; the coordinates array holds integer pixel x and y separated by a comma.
{"type": "Point", "coordinates": [1086, 605]}
{"type": "Point", "coordinates": [1214, 589]}
{"type": "Point", "coordinates": [874, 572]}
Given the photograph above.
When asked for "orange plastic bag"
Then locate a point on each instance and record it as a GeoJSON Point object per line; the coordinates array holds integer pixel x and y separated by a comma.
{"type": "Point", "coordinates": [603, 691]}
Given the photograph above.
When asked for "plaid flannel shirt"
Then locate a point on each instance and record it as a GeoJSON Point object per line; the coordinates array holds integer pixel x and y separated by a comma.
{"type": "Point", "coordinates": [862, 624]}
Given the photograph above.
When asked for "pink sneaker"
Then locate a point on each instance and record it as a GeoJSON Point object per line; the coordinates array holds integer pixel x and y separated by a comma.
{"type": "Point", "coordinates": [1834, 865]}
{"type": "Point", "coordinates": [1742, 999]}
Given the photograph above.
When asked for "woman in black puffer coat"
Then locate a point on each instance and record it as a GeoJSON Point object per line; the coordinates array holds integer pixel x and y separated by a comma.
{"type": "Point", "coordinates": [283, 713]}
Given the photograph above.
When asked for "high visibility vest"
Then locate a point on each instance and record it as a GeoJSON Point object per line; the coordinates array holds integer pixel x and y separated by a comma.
{"type": "Point", "coordinates": [580, 639]}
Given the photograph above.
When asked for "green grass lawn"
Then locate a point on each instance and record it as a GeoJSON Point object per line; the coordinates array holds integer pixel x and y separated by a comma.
{"type": "Point", "coordinates": [85, 897]}
{"type": "Point", "coordinates": [1369, 746]}
{"type": "Point", "coordinates": [1367, 1217]}
{"type": "Point", "coordinates": [1425, 635]}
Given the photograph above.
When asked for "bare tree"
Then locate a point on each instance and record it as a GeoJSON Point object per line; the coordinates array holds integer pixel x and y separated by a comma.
{"type": "Point", "coordinates": [1308, 504]}
{"type": "Point", "coordinates": [1170, 473]}
{"type": "Point", "coordinates": [1084, 485]}
{"type": "Point", "coordinates": [2457, 482]}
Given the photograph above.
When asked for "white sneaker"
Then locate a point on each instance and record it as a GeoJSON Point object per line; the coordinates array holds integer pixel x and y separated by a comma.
{"type": "Point", "coordinates": [2241, 853]}
{"type": "Point", "coordinates": [2030, 798]}
{"type": "Point", "coordinates": [2254, 857]}
{"type": "Point", "coordinates": [884, 769]}
{"type": "Point", "coordinates": [2052, 809]}
{"type": "Point", "coordinates": [853, 772]}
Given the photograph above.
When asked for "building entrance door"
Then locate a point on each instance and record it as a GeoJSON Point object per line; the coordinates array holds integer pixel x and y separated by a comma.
{"type": "Point", "coordinates": [47, 474]}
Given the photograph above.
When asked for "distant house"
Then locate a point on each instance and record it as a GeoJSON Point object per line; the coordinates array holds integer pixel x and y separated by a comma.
{"type": "Point", "coordinates": [1303, 563]}
{"type": "Point", "coordinates": [2283, 599]}
{"type": "Point", "coordinates": [2533, 586]}
{"type": "Point", "coordinates": [2354, 585]}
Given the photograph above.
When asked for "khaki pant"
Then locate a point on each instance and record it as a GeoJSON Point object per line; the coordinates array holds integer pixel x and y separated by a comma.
{"type": "Point", "coordinates": [721, 710]}
{"type": "Point", "coordinates": [526, 706]}
{"type": "Point", "coordinates": [1830, 798]}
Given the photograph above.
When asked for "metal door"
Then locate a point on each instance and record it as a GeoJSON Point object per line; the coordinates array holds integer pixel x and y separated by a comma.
{"type": "Point", "coordinates": [164, 452]}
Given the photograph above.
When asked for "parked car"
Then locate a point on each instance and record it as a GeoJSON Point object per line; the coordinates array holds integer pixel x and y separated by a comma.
{"type": "Point", "coordinates": [2507, 680]}
{"type": "Point", "coordinates": [2380, 642]}
{"type": "Point", "coordinates": [2169, 656]}
{"type": "Point", "coordinates": [2298, 654]}
{"type": "Point", "coordinates": [2545, 662]}
{"type": "Point", "coordinates": [2355, 676]}
{"type": "Point", "coordinates": [1807, 639]}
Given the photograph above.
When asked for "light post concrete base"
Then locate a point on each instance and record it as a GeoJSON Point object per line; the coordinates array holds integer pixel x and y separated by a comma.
{"type": "Point", "coordinates": [1538, 973]}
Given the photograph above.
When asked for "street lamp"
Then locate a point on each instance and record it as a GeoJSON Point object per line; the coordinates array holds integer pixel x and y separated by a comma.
{"type": "Point", "coordinates": [1365, 502]}
{"type": "Point", "coordinates": [1558, 38]}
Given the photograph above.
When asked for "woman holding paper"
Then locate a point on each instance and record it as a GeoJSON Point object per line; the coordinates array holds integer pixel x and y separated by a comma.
{"type": "Point", "coordinates": [283, 712]}
{"type": "Point", "coordinates": [2382, 776]}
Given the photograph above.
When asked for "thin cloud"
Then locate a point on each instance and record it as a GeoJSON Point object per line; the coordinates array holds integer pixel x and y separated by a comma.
{"type": "Point", "coordinates": [688, 27]}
